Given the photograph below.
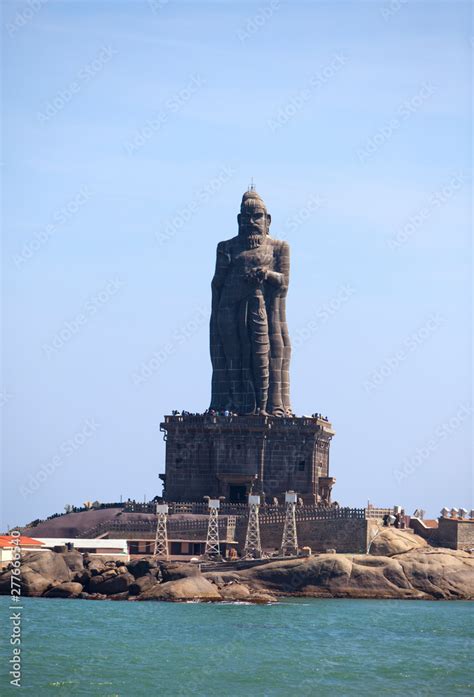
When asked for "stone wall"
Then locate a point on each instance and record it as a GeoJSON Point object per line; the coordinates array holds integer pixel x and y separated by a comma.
{"type": "Point", "coordinates": [216, 455]}
{"type": "Point", "coordinates": [455, 533]}
{"type": "Point", "coordinates": [341, 535]}
{"type": "Point", "coordinates": [466, 534]}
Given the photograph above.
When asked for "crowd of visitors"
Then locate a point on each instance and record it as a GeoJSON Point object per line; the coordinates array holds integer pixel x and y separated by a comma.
{"type": "Point", "coordinates": [227, 412]}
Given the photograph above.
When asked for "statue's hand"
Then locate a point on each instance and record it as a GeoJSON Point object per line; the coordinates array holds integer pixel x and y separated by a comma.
{"type": "Point", "coordinates": [257, 274]}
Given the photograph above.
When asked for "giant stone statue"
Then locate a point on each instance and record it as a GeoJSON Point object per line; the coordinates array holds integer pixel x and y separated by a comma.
{"type": "Point", "coordinates": [249, 340]}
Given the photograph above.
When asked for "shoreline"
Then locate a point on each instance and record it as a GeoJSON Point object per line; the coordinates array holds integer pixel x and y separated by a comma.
{"type": "Point", "coordinates": [420, 573]}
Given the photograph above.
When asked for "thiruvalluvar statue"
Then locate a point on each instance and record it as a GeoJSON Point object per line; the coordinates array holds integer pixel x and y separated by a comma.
{"type": "Point", "coordinates": [249, 340]}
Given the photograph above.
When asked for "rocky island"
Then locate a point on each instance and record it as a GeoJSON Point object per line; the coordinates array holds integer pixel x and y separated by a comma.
{"type": "Point", "coordinates": [399, 566]}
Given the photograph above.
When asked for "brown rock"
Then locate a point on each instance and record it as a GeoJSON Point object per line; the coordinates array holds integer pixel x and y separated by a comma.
{"type": "Point", "coordinates": [111, 585]}
{"type": "Point", "coordinates": [142, 584]}
{"type": "Point", "coordinates": [390, 541]}
{"type": "Point", "coordinates": [140, 567]}
{"type": "Point", "coordinates": [172, 571]}
{"type": "Point", "coordinates": [95, 566]}
{"type": "Point", "coordinates": [261, 598]}
{"type": "Point", "coordinates": [235, 592]}
{"type": "Point", "coordinates": [110, 573]}
{"type": "Point", "coordinates": [74, 560]}
{"type": "Point", "coordinates": [5, 582]}
{"type": "Point", "coordinates": [197, 588]}
{"type": "Point", "coordinates": [94, 582]}
{"type": "Point", "coordinates": [64, 590]}
{"type": "Point", "coordinates": [42, 570]}
{"type": "Point", "coordinates": [441, 573]}
{"type": "Point", "coordinates": [422, 573]}
{"type": "Point", "coordinates": [81, 577]}
{"type": "Point", "coordinates": [34, 584]}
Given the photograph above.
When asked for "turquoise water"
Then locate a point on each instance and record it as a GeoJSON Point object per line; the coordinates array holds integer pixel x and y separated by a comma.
{"type": "Point", "coordinates": [305, 647]}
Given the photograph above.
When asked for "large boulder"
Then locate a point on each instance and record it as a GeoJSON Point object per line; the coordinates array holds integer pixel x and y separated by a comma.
{"type": "Point", "coordinates": [31, 583]}
{"type": "Point", "coordinates": [112, 585]}
{"type": "Point", "coordinates": [235, 592]}
{"type": "Point", "coordinates": [64, 590]}
{"type": "Point", "coordinates": [140, 567]}
{"type": "Point", "coordinates": [74, 560]}
{"type": "Point", "coordinates": [94, 566]}
{"type": "Point", "coordinates": [42, 570]}
{"type": "Point", "coordinates": [422, 573]}
{"type": "Point", "coordinates": [81, 577]}
{"type": "Point", "coordinates": [390, 541]}
{"type": "Point", "coordinates": [142, 584]}
{"type": "Point", "coordinates": [440, 573]}
{"type": "Point", "coordinates": [192, 588]}
{"type": "Point", "coordinates": [173, 571]}
{"type": "Point", "coordinates": [5, 582]}
{"type": "Point", "coordinates": [47, 563]}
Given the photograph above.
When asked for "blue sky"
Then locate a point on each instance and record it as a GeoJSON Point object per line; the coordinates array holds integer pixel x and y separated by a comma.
{"type": "Point", "coordinates": [131, 130]}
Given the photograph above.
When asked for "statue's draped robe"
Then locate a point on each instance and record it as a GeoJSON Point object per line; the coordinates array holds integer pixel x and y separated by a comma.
{"type": "Point", "coordinates": [249, 340]}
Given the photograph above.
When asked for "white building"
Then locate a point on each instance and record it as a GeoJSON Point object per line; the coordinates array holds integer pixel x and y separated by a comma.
{"type": "Point", "coordinates": [113, 548]}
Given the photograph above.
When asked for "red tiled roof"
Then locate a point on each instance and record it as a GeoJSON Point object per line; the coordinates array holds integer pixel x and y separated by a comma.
{"type": "Point", "coordinates": [23, 541]}
{"type": "Point", "coordinates": [431, 523]}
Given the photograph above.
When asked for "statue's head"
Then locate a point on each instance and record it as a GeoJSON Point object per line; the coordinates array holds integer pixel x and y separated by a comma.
{"type": "Point", "coordinates": [253, 219]}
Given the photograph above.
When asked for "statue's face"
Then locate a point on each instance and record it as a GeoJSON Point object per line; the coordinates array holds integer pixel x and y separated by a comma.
{"type": "Point", "coordinates": [254, 221]}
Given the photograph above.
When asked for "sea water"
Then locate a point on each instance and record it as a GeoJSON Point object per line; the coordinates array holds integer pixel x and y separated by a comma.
{"type": "Point", "coordinates": [298, 646]}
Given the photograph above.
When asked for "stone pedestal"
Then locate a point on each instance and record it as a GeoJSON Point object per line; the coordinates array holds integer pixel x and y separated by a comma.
{"type": "Point", "coordinates": [231, 455]}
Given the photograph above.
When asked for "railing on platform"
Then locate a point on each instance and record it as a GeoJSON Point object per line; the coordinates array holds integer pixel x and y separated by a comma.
{"type": "Point", "coordinates": [309, 513]}
{"type": "Point", "coordinates": [304, 512]}
{"type": "Point", "coordinates": [372, 512]}
{"type": "Point", "coordinates": [194, 507]}
{"type": "Point", "coordinates": [252, 421]}
{"type": "Point", "coordinates": [174, 526]}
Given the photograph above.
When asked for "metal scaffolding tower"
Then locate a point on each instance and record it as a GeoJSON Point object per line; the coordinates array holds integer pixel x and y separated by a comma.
{"type": "Point", "coordinates": [289, 543]}
{"type": "Point", "coordinates": [212, 542]}
{"type": "Point", "coordinates": [253, 546]}
{"type": "Point", "coordinates": [161, 538]}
